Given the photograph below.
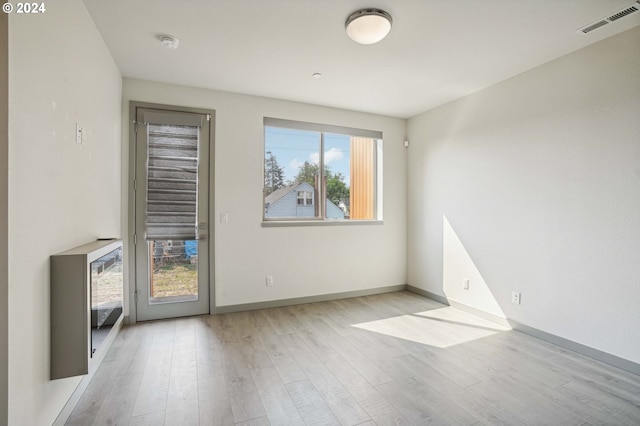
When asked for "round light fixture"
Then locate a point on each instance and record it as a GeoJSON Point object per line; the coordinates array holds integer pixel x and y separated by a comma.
{"type": "Point", "coordinates": [368, 26]}
{"type": "Point", "coordinates": [169, 42]}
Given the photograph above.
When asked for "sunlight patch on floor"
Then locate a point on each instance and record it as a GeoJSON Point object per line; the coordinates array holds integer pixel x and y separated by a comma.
{"type": "Point", "coordinates": [442, 328]}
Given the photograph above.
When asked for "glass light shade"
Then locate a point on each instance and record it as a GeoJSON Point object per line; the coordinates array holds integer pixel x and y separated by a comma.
{"type": "Point", "coordinates": [368, 26]}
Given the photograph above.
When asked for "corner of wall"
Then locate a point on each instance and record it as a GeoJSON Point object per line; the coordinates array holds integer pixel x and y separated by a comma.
{"type": "Point", "coordinates": [512, 188]}
{"type": "Point", "coordinates": [81, 86]}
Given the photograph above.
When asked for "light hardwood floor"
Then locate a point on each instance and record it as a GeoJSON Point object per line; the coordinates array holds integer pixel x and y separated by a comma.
{"type": "Point", "coordinates": [388, 359]}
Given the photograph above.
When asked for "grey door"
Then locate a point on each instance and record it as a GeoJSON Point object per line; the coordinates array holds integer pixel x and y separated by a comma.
{"type": "Point", "coordinates": [171, 213]}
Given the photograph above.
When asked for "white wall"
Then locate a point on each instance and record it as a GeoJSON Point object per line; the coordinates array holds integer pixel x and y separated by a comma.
{"type": "Point", "coordinates": [346, 258]}
{"type": "Point", "coordinates": [61, 194]}
{"type": "Point", "coordinates": [532, 185]}
{"type": "Point", "coordinates": [4, 220]}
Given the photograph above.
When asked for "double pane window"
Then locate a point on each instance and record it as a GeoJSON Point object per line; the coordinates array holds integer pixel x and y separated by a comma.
{"type": "Point", "coordinates": [305, 198]}
{"type": "Point", "coordinates": [320, 172]}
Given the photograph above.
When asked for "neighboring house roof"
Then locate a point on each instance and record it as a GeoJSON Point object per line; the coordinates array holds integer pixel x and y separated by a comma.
{"type": "Point", "coordinates": [332, 211]}
{"type": "Point", "coordinates": [280, 193]}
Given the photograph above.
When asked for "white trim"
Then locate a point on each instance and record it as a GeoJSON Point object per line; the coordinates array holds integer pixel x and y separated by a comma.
{"type": "Point", "coordinates": [318, 222]}
{"type": "Point", "coordinates": [323, 128]}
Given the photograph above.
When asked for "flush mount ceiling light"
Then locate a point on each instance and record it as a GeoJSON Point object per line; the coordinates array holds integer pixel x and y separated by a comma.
{"type": "Point", "coordinates": [169, 42]}
{"type": "Point", "coordinates": [368, 26]}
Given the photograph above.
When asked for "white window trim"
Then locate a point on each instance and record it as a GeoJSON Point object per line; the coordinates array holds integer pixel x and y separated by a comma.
{"type": "Point", "coordinates": [275, 223]}
{"type": "Point", "coordinates": [322, 128]}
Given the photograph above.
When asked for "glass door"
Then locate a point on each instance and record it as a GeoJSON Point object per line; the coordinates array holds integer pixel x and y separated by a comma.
{"type": "Point", "coordinates": [171, 219]}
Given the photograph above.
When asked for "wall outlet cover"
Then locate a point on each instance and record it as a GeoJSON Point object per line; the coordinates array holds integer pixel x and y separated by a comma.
{"type": "Point", "coordinates": [515, 297]}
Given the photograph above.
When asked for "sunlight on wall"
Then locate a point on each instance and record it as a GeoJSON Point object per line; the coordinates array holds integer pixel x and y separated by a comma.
{"type": "Point", "coordinates": [457, 266]}
{"type": "Point", "coordinates": [441, 328]}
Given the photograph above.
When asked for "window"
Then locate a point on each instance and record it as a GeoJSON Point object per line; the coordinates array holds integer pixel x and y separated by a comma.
{"type": "Point", "coordinates": [335, 166]}
{"type": "Point", "coordinates": [305, 198]}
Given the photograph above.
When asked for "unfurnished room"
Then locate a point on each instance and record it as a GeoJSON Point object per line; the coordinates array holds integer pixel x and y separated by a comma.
{"type": "Point", "coordinates": [303, 212]}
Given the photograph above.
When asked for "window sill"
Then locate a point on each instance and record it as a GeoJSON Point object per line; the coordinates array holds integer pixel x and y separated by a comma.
{"type": "Point", "coordinates": [288, 223]}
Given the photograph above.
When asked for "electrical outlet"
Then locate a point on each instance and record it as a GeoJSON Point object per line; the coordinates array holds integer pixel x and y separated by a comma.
{"type": "Point", "coordinates": [515, 297]}
{"type": "Point", "coordinates": [465, 284]}
{"type": "Point", "coordinates": [224, 217]}
{"type": "Point", "coordinates": [269, 281]}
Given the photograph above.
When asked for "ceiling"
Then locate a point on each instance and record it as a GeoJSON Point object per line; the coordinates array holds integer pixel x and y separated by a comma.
{"type": "Point", "coordinates": [437, 51]}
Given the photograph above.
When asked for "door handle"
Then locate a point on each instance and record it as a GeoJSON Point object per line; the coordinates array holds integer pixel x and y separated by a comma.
{"type": "Point", "coordinates": [201, 229]}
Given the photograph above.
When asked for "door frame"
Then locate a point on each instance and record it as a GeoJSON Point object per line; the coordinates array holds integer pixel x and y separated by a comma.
{"type": "Point", "coordinates": [130, 246]}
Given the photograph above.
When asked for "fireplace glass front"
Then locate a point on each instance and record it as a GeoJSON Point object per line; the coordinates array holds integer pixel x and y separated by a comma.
{"type": "Point", "coordinates": [106, 295]}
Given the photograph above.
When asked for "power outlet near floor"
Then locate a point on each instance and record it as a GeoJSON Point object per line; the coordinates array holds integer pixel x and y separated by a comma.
{"type": "Point", "coordinates": [465, 284]}
{"type": "Point", "coordinates": [515, 297]}
{"type": "Point", "coordinates": [269, 280]}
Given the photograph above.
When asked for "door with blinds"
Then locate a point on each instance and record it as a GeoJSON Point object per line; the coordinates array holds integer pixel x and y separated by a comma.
{"type": "Point", "coordinates": [171, 216]}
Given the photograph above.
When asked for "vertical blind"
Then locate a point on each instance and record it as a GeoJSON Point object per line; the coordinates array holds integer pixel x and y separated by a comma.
{"type": "Point", "coordinates": [172, 182]}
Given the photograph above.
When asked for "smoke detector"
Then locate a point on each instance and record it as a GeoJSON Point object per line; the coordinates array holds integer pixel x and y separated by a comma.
{"type": "Point", "coordinates": [169, 42]}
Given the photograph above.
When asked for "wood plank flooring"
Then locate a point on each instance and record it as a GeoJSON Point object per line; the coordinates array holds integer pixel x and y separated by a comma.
{"type": "Point", "coordinates": [392, 359]}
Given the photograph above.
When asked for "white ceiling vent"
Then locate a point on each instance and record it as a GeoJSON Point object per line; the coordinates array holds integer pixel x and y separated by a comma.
{"type": "Point", "coordinates": [634, 8]}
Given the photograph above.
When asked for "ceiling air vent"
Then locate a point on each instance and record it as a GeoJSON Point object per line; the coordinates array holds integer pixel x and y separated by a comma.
{"type": "Point", "coordinates": [594, 26]}
{"type": "Point", "coordinates": [634, 8]}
